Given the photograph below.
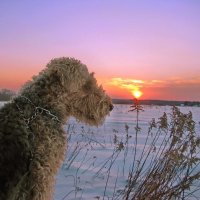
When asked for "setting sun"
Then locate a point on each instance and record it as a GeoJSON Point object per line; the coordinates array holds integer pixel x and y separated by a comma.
{"type": "Point", "coordinates": [137, 94]}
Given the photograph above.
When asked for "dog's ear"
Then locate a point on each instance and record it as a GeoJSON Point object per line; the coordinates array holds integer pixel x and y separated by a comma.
{"type": "Point", "coordinates": [90, 85]}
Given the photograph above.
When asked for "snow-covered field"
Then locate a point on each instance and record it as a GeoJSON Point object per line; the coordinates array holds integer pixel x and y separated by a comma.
{"type": "Point", "coordinates": [92, 168]}
{"type": "Point", "coordinates": [95, 166]}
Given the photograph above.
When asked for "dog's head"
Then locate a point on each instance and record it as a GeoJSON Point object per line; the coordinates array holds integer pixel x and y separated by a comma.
{"type": "Point", "coordinates": [79, 91]}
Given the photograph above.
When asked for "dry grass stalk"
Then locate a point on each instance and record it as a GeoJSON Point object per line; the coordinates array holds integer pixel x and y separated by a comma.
{"type": "Point", "coordinates": [164, 169]}
{"type": "Point", "coordinates": [172, 169]}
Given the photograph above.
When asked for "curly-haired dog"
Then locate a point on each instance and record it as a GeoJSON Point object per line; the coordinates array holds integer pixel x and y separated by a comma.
{"type": "Point", "coordinates": [32, 140]}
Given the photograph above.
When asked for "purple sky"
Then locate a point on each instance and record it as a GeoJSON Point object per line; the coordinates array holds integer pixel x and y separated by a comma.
{"type": "Point", "coordinates": [155, 41]}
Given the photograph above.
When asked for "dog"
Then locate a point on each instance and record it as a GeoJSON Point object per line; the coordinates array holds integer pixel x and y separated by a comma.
{"type": "Point", "coordinates": [32, 139]}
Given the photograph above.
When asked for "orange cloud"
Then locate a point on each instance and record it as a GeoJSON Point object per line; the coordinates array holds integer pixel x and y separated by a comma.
{"type": "Point", "coordinates": [171, 88]}
{"type": "Point", "coordinates": [133, 86]}
{"type": "Point", "coordinates": [130, 84]}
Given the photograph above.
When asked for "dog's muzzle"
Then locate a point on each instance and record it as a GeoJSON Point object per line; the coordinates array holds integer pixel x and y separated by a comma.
{"type": "Point", "coordinates": [111, 107]}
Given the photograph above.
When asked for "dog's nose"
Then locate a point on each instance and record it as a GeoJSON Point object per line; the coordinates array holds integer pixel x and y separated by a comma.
{"type": "Point", "coordinates": [111, 107]}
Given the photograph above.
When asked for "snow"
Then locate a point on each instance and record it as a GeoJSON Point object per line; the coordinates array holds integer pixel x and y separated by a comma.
{"type": "Point", "coordinates": [91, 163]}
{"type": "Point", "coordinates": [2, 103]}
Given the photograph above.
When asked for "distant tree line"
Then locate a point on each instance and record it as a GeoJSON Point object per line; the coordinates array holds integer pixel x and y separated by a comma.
{"type": "Point", "coordinates": [158, 102]}
{"type": "Point", "coordinates": [6, 95]}
{"type": "Point", "coordinates": [191, 103]}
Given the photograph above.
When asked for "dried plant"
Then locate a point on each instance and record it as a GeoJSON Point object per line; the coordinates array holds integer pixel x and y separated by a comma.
{"type": "Point", "coordinates": [167, 168]}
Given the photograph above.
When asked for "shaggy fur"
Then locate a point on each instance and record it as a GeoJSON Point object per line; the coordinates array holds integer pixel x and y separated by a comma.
{"type": "Point", "coordinates": [32, 140]}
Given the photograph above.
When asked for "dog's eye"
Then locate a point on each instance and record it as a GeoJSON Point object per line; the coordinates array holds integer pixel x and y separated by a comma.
{"type": "Point", "coordinates": [87, 87]}
{"type": "Point", "coordinates": [92, 116]}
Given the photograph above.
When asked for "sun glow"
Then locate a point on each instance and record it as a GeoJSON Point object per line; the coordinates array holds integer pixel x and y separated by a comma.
{"type": "Point", "coordinates": [137, 94]}
{"type": "Point", "coordinates": [132, 86]}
